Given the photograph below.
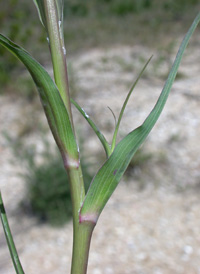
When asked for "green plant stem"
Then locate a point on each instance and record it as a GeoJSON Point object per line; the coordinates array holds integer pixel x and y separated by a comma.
{"type": "Point", "coordinates": [9, 239]}
{"type": "Point", "coordinates": [82, 232]}
{"type": "Point", "coordinates": [58, 51]}
{"type": "Point", "coordinates": [81, 245]}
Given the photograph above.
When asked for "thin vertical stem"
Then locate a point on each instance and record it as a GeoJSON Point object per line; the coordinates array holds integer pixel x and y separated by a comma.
{"type": "Point", "coordinates": [58, 52]}
{"type": "Point", "coordinates": [81, 232]}
{"type": "Point", "coordinates": [81, 246]}
{"type": "Point", "coordinates": [9, 239]}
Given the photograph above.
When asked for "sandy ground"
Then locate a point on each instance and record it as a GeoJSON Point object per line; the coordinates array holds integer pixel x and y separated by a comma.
{"type": "Point", "coordinates": [152, 222]}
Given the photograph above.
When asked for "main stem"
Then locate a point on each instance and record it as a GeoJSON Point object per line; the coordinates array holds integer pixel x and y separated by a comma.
{"type": "Point", "coordinates": [81, 245]}
{"type": "Point", "coordinates": [58, 51]}
{"type": "Point", "coordinates": [82, 232]}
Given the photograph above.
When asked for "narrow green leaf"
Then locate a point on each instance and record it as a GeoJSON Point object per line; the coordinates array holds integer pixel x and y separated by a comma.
{"type": "Point", "coordinates": [125, 103]}
{"type": "Point", "coordinates": [9, 239]}
{"type": "Point", "coordinates": [60, 8]}
{"type": "Point", "coordinates": [109, 175]}
{"type": "Point", "coordinates": [54, 107]}
{"type": "Point", "coordinates": [113, 114]}
{"type": "Point", "coordinates": [41, 12]}
{"type": "Point", "coordinates": [94, 127]}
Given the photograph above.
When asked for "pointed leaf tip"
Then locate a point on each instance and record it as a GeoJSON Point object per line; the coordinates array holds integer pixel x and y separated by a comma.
{"type": "Point", "coordinates": [125, 103]}
{"type": "Point", "coordinates": [41, 11]}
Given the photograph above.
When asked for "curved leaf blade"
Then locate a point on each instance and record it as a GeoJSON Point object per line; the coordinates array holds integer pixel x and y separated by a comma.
{"type": "Point", "coordinates": [53, 105]}
{"type": "Point", "coordinates": [125, 103]}
{"type": "Point", "coordinates": [41, 11]}
{"type": "Point", "coordinates": [40, 8]}
{"type": "Point", "coordinates": [94, 127]}
{"type": "Point", "coordinates": [109, 175]}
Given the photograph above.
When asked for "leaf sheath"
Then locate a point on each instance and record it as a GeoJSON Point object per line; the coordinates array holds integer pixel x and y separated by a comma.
{"type": "Point", "coordinates": [53, 105]}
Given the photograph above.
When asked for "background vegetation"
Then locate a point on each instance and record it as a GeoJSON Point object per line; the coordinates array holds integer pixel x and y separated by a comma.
{"type": "Point", "coordinates": [91, 24]}
{"type": "Point", "coordinates": [47, 192]}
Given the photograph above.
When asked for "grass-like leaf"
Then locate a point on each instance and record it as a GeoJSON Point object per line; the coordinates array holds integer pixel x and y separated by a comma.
{"type": "Point", "coordinates": [125, 103]}
{"type": "Point", "coordinates": [94, 127]}
{"type": "Point", "coordinates": [113, 114]}
{"type": "Point", "coordinates": [9, 239]}
{"type": "Point", "coordinates": [41, 11]}
{"type": "Point", "coordinates": [109, 149]}
{"type": "Point", "coordinates": [53, 105]}
{"type": "Point", "coordinates": [109, 175]}
{"type": "Point", "coordinates": [40, 8]}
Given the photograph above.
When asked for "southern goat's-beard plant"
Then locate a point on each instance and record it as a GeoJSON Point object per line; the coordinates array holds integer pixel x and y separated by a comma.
{"type": "Point", "coordinates": [56, 101]}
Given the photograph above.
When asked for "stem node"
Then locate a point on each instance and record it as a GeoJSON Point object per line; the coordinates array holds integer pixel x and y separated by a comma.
{"type": "Point", "coordinates": [70, 163]}
{"type": "Point", "coordinates": [88, 218]}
